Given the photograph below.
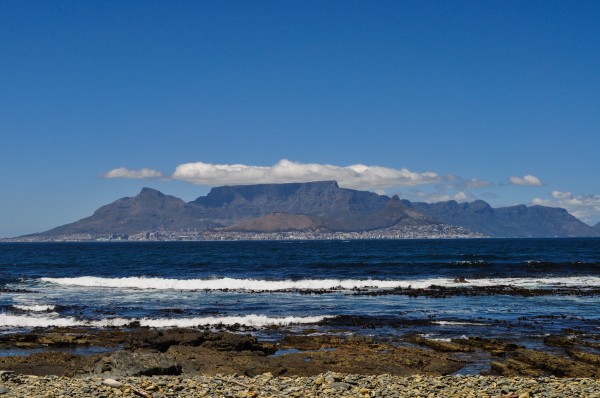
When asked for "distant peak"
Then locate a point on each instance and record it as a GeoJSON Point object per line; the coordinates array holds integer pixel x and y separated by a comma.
{"type": "Point", "coordinates": [150, 192]}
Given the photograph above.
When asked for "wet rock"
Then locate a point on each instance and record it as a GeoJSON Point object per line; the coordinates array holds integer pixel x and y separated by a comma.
{"type": "Point", "coordinates": [438, 345]}
{"type": "Point", "coordinates": [531, 363]}
{"type": "Point", "coordinates": [592, 359]}
{"type": "Point", "coordinates": [559, 341]}
{"type": "Point", "coordinates": [49, 363]}
{"type": "Point", "coordinates": [512, 367]}
{"type": "Point", "coordinates": [162, 340]}
{"type": "Point", "coordinates": [138, 363]}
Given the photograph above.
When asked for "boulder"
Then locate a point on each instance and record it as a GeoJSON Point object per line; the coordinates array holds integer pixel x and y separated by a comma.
{"type": "Point", "coordinates": [137, 363]}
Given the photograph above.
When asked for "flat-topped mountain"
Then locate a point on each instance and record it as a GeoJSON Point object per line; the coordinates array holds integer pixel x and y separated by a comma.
{"type": "Point", "coordinates": [315, 206]}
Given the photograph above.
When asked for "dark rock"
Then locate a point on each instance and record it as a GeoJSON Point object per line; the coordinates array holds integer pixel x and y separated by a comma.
{"type": "Point", "coordinates": [559, 341]}
{"type": "Point", "coordinates": [551, 364]}
{"type": "Point", "coordinates": [582, 356]}
{"type": "Point", "coordinates": [437, 345]}
{"type": "Point", "coordinates": [137, 363]}
{"type": "Point", "coordinates": [49, 363]}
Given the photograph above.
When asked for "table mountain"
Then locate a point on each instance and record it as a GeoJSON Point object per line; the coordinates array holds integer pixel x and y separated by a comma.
{"type": "Point", "coordinates": [319, 205]}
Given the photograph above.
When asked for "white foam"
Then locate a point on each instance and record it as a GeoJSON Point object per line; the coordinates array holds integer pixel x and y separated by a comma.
{"type": "Point", "coordinates": [35, 307]}
{"type": "Point", "coordinates": [314, 284]}
{"type": "Point", "coordinates": [455, 323]}
{"type": "Point", "coordinates": [28, 321]}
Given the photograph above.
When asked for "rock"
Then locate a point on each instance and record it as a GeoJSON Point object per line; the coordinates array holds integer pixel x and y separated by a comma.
{"type": "Point", "coordinates": [5, 374]}
{"type": "Point", "coordinates": [112, 383]}
{"type": "Point", "coordinates": [4, 390]}
{"type": "Point", "coordinates": [138, 363]}
{"type": "Point", "coordinates": [437, 345]}
{"type": "Point", "coordinates": [559, 341]}
{"type": "Point", "coordinates": [338, 385]}
{"type": "Point", "coordinates": [592, 359]}
{"type": "Point", "coordinates": [554, 365]}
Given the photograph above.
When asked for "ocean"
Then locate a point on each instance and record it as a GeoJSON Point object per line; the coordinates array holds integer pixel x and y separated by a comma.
{"type": "Point", "coordinates": [519, 289]}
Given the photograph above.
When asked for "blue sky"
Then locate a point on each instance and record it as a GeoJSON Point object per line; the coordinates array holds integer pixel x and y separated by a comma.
{"type": "Point", "coordinates": [440, 100]}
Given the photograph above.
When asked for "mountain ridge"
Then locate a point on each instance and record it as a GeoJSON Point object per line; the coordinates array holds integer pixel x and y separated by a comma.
{"type": "Point", "coordinates": [320, 205]}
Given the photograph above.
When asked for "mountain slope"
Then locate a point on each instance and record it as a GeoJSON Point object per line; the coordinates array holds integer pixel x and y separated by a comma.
{"type": "Point", "coordinates": [147, 211]}
{"type": "Point", "coordinates": [279, 222]}
{"type": "Point", "coordinates": [393, 213]}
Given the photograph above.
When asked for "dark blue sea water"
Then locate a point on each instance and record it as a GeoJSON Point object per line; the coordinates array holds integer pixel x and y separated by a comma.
{"type": "Point", "coordinates": [310, 284]}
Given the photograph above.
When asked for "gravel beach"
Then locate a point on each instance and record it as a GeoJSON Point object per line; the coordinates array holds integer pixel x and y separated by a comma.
{"type": "Point", "coordinates": [151, 363]}
{"type": "Point", "coordinates": [323, 385]}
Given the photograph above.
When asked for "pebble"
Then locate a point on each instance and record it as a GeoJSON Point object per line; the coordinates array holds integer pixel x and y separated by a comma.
{"type": "Point", "coordinates": [326, 385]}
{"type": "Point", "coordinates": [112, 383]}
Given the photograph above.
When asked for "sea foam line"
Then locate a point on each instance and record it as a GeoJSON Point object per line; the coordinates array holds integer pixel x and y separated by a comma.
{"type": "Point", "coordinates": [35, 307]}
{"type": "Point", "coordinates": [7, 320]}
{"type": "Point", "coordinates": [314, 284]}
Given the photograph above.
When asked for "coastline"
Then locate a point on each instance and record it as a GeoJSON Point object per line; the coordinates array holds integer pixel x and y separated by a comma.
{"type": "Point", "coordinates": [323, 385]}
{"type": "Point", "coordinates": [199, 362]}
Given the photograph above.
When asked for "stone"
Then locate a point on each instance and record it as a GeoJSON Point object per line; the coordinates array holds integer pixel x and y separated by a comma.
{"type": "Point", "coordinates": [112, 383]}
{"type": "Point", "coordinates": [138, 363]}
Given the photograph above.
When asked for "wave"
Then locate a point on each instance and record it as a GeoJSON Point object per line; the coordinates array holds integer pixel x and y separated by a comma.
{"type": "Point", "coordinates": [35, 307]}
{"type": "Point", "coordinates": [458, 323]}
{"type": "Point", "coordinates": [316, 284]}
{"type": "Point", "coordinates": [27, 321]}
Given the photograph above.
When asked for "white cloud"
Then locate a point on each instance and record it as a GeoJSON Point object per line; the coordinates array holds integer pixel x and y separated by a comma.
{"type": "Point", "coordinates": [527, 180]}
{"type": "Point", "coordinates": [356, 176]}
{"type": "Point", "coordinates": [438, 195]}
{"type": "Point", "coordinates": [123, 172]}
{"type": "Point", "coordinates": [584, 207]}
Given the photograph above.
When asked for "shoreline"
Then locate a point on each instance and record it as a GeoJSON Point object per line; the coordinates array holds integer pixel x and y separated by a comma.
{"type": "Point", "coordinates": [135, 351]}
{"type": "Point", "coordinates": [322, 385]}
{"type": "Point", "coordinates": [161, 363]}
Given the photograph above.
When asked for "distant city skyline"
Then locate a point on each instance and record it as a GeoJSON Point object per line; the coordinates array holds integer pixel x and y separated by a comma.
{"type": "Point", "coordinates": [433, 101]}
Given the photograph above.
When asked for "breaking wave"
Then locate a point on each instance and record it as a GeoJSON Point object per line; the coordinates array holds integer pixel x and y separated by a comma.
{"type": "Point", "coordinates": [35, 307]}
{"type": "Point", "coordinates": [26, 321]}
{"type": "Point", "coordinates": [316, 284]}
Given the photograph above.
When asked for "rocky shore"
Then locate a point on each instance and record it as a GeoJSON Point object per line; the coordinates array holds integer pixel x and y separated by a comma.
{"type": "Point", "coordinates": [148, 362]}
{"type": "Point", "coordinates": [322, 385]}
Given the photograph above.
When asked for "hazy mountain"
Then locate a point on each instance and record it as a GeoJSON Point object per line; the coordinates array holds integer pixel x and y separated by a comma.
{"type": "Point", "coordinates": [316, 206]}
{"type": "Point", "coordinates": [513, 221]}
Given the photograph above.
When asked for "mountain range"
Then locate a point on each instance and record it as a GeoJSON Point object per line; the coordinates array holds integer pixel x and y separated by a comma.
{"type": "Point", "coordinates": [315, 206]}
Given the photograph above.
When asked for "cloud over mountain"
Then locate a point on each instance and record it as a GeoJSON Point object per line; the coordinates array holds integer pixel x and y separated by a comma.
{"type": "Point", "coordinates": [123, 172]}
{"type": "Point", "coordinates": [584, 207]}
{"type": "Point", "coordinates": [356, 176]}
{"type": "Point", "coordinates": [526, 180]}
